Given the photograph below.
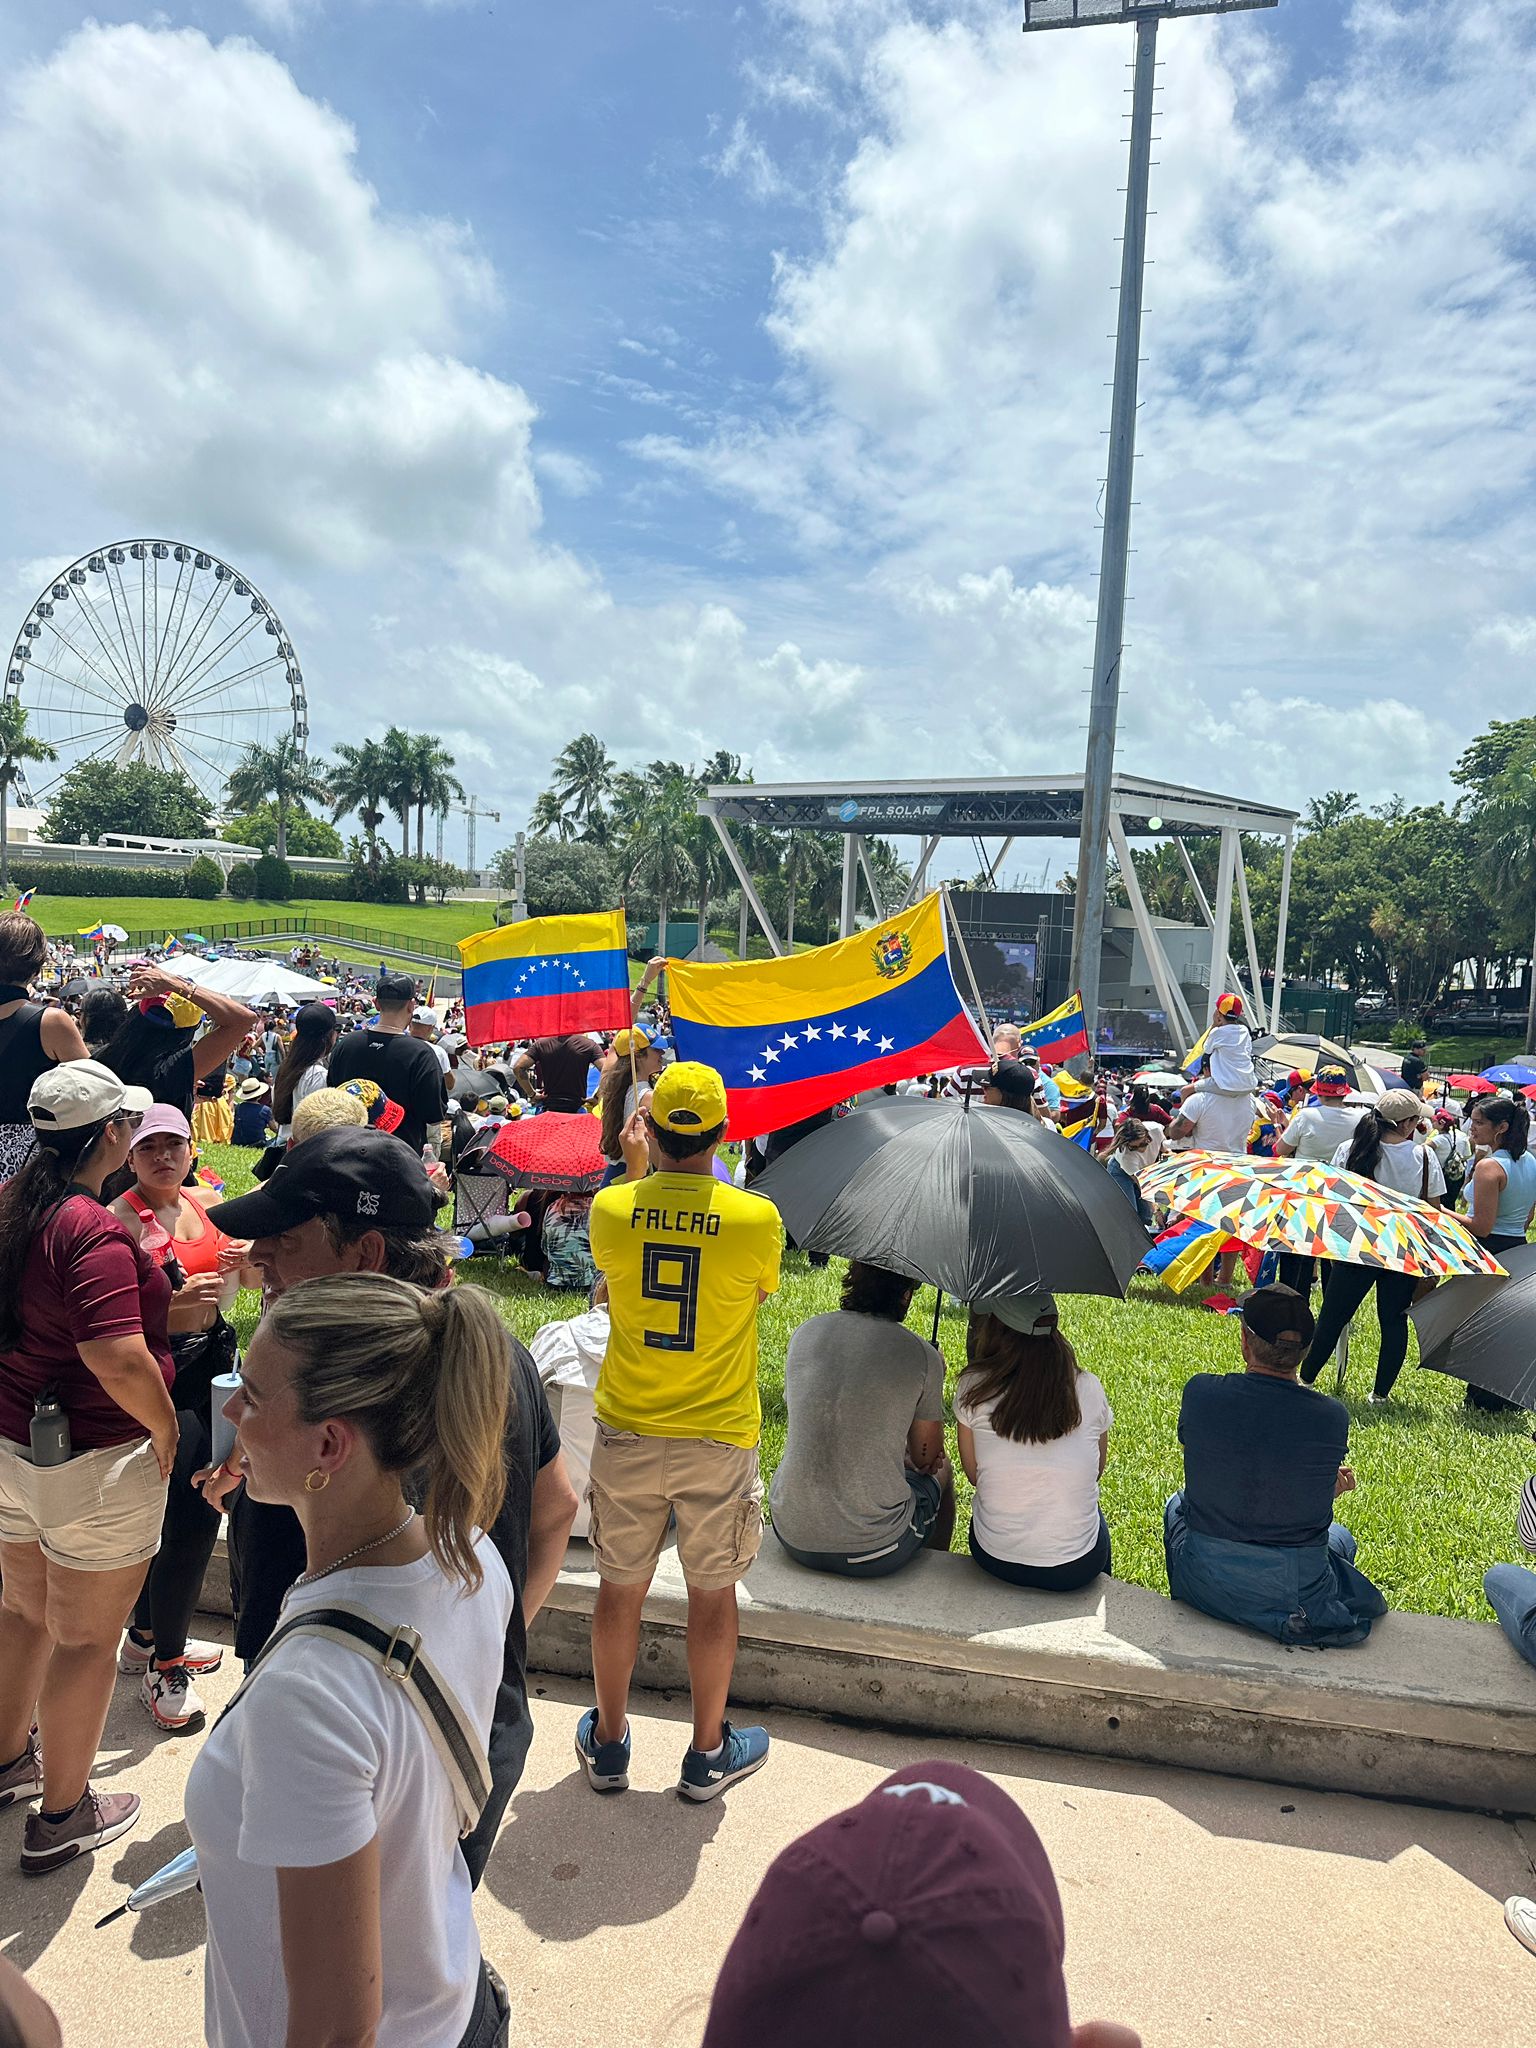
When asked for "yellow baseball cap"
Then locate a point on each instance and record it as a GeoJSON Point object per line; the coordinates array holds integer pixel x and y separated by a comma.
{"type": "Point", "coordinates": [183, 1013]}
{"type": "Point", "coordinates": [688, 1096]}
{"type": "Point", "coordinates": [630, 1040]}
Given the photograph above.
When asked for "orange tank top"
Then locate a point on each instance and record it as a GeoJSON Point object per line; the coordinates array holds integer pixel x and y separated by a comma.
{"type": "Point", "coordinates": [200, 1255]}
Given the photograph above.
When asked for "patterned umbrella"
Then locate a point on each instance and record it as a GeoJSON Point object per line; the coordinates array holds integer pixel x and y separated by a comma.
{"type": "Point", "coordinates": [554, 1149]}
{"type": "Point", "coordinates": [1297, 1205]}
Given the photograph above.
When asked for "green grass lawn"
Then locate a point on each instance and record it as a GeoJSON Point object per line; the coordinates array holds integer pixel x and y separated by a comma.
{"type": "Point", "coordinates": [1437, 1486]}
{"type": "Point", "coordinates": [64, 916]}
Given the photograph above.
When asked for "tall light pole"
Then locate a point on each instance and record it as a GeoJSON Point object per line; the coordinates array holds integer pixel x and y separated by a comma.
{"type": "Point", "coordinates": [1104, 704]}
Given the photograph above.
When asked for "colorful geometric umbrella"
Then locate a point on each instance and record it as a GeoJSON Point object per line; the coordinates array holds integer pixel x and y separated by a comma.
{"type": "Point", "coordinates": [1297, 1205]}
{"type": "Point", "coordinates": [556, 1149]}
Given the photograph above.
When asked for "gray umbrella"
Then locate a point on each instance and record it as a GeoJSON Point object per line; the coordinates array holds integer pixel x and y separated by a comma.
{"type": "Point", "coordinates": [1483, 1330]}
{"type": "Point", "coordinates": [977, 1201]}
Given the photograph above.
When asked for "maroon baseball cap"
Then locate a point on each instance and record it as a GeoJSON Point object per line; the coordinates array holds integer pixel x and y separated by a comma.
{"type": "Point", "coordinates": [928, 1911]}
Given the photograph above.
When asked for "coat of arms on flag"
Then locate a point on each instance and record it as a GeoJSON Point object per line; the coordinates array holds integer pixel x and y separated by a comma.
{"type": "Point", "coordinates": [893, 954]}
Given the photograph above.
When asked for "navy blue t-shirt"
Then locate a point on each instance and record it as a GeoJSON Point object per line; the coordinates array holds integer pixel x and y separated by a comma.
{"type": "Point", "coordinates": [1261, 1457]}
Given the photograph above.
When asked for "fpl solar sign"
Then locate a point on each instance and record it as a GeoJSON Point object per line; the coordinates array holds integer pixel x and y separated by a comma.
{"type": "Point", "coordinates": [1084, 13]}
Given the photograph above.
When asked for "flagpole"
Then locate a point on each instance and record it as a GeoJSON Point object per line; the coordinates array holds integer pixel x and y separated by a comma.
{"type": "Point", "coordinates": [965, 954]}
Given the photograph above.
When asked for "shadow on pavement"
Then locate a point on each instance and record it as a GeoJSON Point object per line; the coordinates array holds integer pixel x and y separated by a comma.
{"type": "Point", "coordinates": [44, 1906]}
{"type": "Point", "coordinates": [569, 1862]}
{"type": "Point", "coordinates": [176, 1926]}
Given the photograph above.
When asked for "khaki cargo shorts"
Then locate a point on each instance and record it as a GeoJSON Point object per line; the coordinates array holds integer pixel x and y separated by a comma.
{"type": "Point", "coordinates": [640, 1482]}
{"type": "Point", "coordinates": [98, 1513]}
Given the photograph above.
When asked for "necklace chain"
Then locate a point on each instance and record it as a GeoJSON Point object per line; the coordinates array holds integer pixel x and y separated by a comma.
{"type": "Point", "coordinates": [378, 1543]}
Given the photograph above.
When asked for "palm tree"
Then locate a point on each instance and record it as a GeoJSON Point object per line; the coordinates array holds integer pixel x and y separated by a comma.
{"type": "Point", "coordinates": [1332, 808]}
{"type": "Point", "coordinates": [16, 745]}
{"type": "Point", "coordinates": [282, 774]}
{"type": "Point", "coordinates": [659, 849]}
{"type": "Point", "coordinates": [360, 782]}
{"type": "Point", "coordinates": [436, 786]}
{"type": "Point", "coordinates": [548, 819]}
{"type": "Point", "coordinates": [399, 750]}
{"type": "Point", "coordinates": [582, 782]}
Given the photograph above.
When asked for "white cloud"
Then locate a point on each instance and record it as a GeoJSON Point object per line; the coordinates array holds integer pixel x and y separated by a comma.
{"type": "Point", "coordinates": [570, 474]}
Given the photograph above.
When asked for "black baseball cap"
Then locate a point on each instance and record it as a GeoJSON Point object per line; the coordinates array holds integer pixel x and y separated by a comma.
{"type": "Point", "coordinates": [1011, 1078]}
{"type": "Point", "coordinates": [359, 1175]}
{"type": "Point", "coordinates": [1275, 1312]}
{"type": "Point", "coordinates": [393, 988]}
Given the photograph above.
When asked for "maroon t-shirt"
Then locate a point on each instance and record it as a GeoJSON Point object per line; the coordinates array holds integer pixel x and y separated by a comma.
{"type": "Point", "coordinates": [86, 1280]}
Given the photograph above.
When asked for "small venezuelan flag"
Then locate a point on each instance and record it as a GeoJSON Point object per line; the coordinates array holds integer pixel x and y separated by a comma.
{"type": "Point", "coordinates": [92, 931]}
{"type": "Point", "coordinates": [1059, 1036]}
{"type": "Point", "coordinates": [545, 977]}
{"type": "Point", "coordinates": [791, 1037]}
{"type": "Point", "coordinates": [24, 899]}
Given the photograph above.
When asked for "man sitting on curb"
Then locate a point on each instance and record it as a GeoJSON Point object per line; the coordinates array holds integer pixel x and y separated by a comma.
{"type": "Point", "coordinates": [1252, 1538]}
{"type": "Point", "coordinates": [864, 1484]}
{"type": "Point", "coordinates": [687, 1259]}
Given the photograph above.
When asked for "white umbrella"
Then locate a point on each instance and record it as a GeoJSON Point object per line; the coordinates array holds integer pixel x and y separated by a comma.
{"type": "Point", "coordinates": [248, 978]}
{"type": "Point", "coordinates": [114, 932]}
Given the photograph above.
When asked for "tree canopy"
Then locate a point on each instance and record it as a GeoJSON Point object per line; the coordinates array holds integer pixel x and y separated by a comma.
{"type": "Point", "coordinates": [98, 796]}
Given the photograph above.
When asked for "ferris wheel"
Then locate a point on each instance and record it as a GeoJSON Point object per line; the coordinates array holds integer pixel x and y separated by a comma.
{"type": "Point", "coordinates": [157, 652]}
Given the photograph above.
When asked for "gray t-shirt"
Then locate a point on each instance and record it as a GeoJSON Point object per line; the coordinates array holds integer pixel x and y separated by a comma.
{"type": "Point", "coordinates": [853, 1385]}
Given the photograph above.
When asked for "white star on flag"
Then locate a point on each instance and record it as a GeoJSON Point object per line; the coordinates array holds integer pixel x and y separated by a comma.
{"type": "Point", "coordinates": [757, 1073]}
{"type": "Point", "coordinates": [886, 1044]}
{"type": "Point", "coordinates": [811, 1034]}
{"type": "Point", "coordinates": [769, 1054]}
{"type": "Point", "coordinates": [789, 1043]}
{"type": "Point", "coordinates": [837, 1031]}
{"type": "Point", "coordinates": [861, 1036]}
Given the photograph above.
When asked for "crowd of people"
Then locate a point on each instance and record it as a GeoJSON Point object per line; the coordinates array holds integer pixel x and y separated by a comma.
{"type": "Point", "coordinates": [398, 1503]}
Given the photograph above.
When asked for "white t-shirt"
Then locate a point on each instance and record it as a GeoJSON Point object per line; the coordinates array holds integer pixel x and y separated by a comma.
{"type": "Point", "coordinates": [1135, 1159]}
{"type": "Point", "coordinates": [323, 1753]}
{"type": "Point", "coordinates": [1318, 1129]}
{"type": "Point", "coordinates": [1230, 1047]}
{"type": "Point", "coordinates": [1038, 1504]}
{"type": "Point", "coordinates": [1222, 1122]}
{"type": "Point", "coordinates": [1402, 1167]}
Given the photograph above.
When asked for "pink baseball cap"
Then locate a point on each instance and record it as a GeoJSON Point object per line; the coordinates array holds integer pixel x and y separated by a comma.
{"type": "Point", "coordinates": [162, 1117]}
{"type": "Point", "coordinates": [927, 1912]}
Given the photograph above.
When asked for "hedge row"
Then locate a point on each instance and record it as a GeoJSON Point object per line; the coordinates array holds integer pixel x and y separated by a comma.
{"type": "Point", "coordinates": [98, 881]}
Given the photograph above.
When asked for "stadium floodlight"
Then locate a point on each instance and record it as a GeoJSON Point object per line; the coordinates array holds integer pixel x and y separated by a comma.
{"type": "Point", "coordinates": [1104, 705]}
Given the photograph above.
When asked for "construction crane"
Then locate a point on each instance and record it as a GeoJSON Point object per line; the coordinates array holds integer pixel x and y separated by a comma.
{"type": "Point", "coordinates": [473, 810]}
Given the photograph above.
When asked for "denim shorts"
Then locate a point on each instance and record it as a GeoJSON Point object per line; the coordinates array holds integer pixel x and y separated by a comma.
{"type": "Point", "coordinates": [927, 1498]}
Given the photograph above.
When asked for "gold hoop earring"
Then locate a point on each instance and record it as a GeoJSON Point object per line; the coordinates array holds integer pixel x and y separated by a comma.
{"type": "Point", "coordinates": [316, 1481]}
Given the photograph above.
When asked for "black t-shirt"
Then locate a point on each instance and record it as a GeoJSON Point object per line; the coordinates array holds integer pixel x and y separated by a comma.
{"type": "Point", "coordinates": [561, 1065]}
{"type": "Point", "coordinates": [1260, 1457]}
{"type": "Point", "coordinates": [532, 1442]}
{"type": "Point", "coordinates": [406, 1068]}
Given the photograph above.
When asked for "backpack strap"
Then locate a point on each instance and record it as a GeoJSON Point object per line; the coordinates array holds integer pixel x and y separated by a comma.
{"type": "Point", "coordinates": [398, 1654]}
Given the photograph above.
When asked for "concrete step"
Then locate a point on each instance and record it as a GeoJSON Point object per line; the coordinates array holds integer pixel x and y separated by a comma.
{"type": "Point", "coordinates": [1428, 1709]}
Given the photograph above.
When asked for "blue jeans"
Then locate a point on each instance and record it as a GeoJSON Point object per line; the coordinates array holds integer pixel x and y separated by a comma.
{"type": "Point", "coordinates": [1131, 1189]}
{"type": "Point", "coordinates": [1511, 1592]}
{"type": "Point", "coordinates": [1308, 1593]}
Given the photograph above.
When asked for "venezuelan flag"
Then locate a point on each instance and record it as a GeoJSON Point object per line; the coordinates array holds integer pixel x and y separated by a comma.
{"type": "Point", "coordinates": [92, 931]}
{"type": "Point", "coordinates": [546, 976]}
{"type": "Point", "coordinates": [791, 1037]}
{"type": "Point", "coordinates": [1059, 1036]}
{"type": "Point", "coordinates": [24, 899]}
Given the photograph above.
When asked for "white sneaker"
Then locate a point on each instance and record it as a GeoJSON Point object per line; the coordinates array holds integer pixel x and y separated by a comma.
{"type": "Point", "coordinates": [134, 1659]}
{"type": "Point", "coordinates": [170, 1700]}
{"type": "Point", "coordinates": [1520, 1919]}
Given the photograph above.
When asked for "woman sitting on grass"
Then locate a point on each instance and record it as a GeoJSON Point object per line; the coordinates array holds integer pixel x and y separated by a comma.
{"type": "Point", "coordinates": [1033, 1431]}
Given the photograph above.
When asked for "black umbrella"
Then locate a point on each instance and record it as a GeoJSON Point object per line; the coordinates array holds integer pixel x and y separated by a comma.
{"type": "Point", "coordinates": [1483, 1330]}
{"type": "Point", "coordinates": [978, 1201]}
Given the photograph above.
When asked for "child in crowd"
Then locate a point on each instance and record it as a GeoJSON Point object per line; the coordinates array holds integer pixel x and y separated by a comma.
{"type": "Point", "coordinates": [1229, 1050]}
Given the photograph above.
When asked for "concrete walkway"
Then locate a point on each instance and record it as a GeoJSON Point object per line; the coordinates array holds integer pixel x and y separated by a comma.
{"type": "Point", "coordinates": [1199, 1908]}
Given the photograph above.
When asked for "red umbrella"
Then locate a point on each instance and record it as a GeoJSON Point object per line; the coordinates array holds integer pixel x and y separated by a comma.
{"type": "Point", "coordinates": [556, 1149]}
{"type": "Point", "coordinates": [1469, 1084]}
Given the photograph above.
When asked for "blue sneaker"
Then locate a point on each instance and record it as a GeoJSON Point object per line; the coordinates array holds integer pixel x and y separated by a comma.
{"type": "Point", "coordinates": [605, 1763]}
{"type": "Point", "coordinates": [745, 1751]}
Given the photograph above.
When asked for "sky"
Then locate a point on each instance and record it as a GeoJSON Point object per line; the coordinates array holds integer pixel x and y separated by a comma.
{"type": "Point", "coordinates": [709, 376]}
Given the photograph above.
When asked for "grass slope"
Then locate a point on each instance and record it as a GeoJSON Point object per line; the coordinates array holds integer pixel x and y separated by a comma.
{"type": "Point", "coordinates": [1437, 1486]}
{"type": "Point", "coordinates": [64, 916]}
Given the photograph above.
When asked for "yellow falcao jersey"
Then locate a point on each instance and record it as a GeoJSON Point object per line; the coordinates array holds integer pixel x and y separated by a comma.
{"type": "Point", "coordinates": [685, 1255]}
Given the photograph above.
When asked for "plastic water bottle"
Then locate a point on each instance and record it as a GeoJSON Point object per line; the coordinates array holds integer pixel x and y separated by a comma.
{"type": "Point", "coordinates": [497, 1226]}
{"type": "Point", "coordinates": [51, 1443]}
{"type": "Point", "coordinates": [223, 1386]}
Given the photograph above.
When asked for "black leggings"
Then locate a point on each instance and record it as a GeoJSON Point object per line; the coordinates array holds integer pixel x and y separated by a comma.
{"type": "Point", "coordinates": [1347, 1287]}
{"type": "Point", "coordinates": [169, 1597]}
{"type": "Point", "coordinates": [266, 1555]}
{"type": "Point", "coordinates": [1050, 1578]}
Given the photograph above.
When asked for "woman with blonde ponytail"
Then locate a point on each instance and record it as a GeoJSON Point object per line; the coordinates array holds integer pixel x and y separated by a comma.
{"type": "Point", "coordinates": [325, 1823]}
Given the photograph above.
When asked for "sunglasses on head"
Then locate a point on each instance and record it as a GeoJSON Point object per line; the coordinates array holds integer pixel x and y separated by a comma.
{"type": "Point", "coordinates": [131, 1117]}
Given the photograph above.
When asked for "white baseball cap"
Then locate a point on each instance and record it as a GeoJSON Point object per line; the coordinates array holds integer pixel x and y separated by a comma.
{"type": "Point", "coordinates": [81, 1092]}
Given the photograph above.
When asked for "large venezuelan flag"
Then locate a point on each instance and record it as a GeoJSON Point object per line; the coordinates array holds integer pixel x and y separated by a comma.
{"type": "Point", "coordinates": [1059, 1036]}
{"type": "Point", "coordinates": [546, 976]}
{"type": "Point", "coordinates": [791, 1037]}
